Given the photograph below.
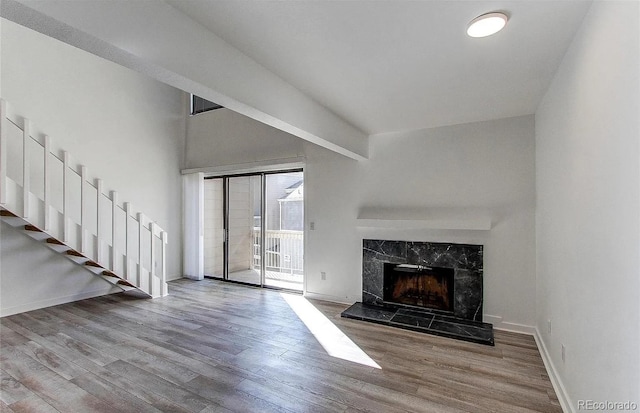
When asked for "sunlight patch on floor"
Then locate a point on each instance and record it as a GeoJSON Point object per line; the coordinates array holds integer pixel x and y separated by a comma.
{"type": "Point", "coordinates": [334, 341]}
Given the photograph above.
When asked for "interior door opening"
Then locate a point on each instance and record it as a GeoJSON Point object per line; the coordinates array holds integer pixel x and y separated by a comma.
{"type": "Point", "coordinates": [254, 229]}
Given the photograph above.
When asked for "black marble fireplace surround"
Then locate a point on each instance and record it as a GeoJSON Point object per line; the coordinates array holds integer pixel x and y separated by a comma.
{"type": "Point", "coordinates": [463, 321]}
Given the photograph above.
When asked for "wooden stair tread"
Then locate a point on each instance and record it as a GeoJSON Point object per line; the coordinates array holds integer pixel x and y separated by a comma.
{"type": "Point", "coordinates": [54, 241]}
{"type": "Point", "coordinates": [70, 241]}
{"type": "Point", "coordinates": [93, 264]}
{"type": "Point", "coordinates": [5, 213]}
{"type": "Point", "coordinates": [75, 253]}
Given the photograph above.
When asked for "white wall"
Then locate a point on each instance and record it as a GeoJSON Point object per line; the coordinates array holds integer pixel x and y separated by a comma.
{"type": "Point", "coordinates": [483, 169]}
{"type": "Point", "coordinates": [588, 210]}
{"type": "Point", "coordinates": [126, 128]}
{"type": "Point", "coordinates": [224, 137]}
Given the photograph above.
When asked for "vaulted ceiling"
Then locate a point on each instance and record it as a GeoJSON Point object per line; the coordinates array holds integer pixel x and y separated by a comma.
{"type": "Point", "coordinates": [401, 65]}
{"type": "Point", "coordinates": [330, 72]}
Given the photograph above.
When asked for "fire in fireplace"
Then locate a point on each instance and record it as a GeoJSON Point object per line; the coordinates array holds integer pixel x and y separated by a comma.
{"type": "Point", "coordinates": [418, 285]}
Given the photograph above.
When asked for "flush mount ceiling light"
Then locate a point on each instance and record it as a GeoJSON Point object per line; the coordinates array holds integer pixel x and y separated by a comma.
{"type": "Point", "coordinates": [487, 24]}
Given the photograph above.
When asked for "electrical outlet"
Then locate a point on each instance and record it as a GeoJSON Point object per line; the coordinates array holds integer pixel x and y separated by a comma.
{"type": "Point", "coordinates": [564, 351]}
{"type": "Point", "coordinates": [549, 326]}
{"type": "Point", "coordinates": [323, 276]}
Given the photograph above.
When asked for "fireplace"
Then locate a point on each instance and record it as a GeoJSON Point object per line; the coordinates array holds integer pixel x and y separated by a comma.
{"type": "Point", "coordinates": [418, 285]}
{"type": "Point", "coordinates": [430, 287]}
{"type": "Point", "coordinates": [465, 260]}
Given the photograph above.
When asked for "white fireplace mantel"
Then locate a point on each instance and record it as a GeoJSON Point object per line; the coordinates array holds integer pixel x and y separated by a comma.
{"type": "Point", "coordinates": [460, 219]}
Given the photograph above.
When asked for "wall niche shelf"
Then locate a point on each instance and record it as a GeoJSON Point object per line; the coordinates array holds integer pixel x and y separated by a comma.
{"type": "Point", "coordinates": [432, 218]}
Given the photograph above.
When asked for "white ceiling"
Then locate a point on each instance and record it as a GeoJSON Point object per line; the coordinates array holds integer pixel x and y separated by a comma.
{"type": "Point", "coordinates": [388, 66]}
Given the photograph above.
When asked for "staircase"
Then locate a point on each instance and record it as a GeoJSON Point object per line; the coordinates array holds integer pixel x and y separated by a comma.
{"type": "Point", "coordinates": [49, 198]}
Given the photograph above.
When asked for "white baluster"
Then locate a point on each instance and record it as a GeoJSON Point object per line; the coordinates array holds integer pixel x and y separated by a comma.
{"type": "Point", "coordinates": [163, 263]}
{"type": "Point", "coordinates": [152, 270]}
{"type": "Point", "coordinates": [157, 263]}
{"type": "Point", "coordinates": [47, 183]}
{"type": "Point", "coordinates": [99, 220]}
{"type": "Point", "coordinates": [83, 199]}
{"type": "Point", "coordinates": [26, 181]}
{"type": "Point", "coordinates": [140, 227]}
{"type": "Point", "coordinates": [114, 233]}
{"type": "Point", "coordinates": [3, 152]}
{"type": "Point", "coordinates": [65, 198]}
{"type": "Point", "coordinates": [127, 266]}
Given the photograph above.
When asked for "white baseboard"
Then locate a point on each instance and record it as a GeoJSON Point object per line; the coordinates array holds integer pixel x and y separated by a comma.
{"type": "Point", "coordinates": [558, 386]}
{"type": "Point", "coordinates": [36, 305]}
{"type": "Point", "coordinates": [498, 324]}
{"type": "Point", "coordinates": [179, 277]}
{"type": "Point", "coordinates": [330, 298]}
{"type": "Point", "coordinates": [493, 319]}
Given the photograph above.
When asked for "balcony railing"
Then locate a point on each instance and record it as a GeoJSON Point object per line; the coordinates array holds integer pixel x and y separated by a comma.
{"type": "Point", "coordinates": [284, 252]}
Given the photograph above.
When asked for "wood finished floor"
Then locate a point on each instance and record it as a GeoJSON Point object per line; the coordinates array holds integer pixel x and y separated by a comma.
{"type": "Point", "coordinates": [216, 347]}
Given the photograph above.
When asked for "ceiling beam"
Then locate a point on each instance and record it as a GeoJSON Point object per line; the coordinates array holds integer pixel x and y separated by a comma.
{"type": "Point", "coordinates": [153, 38]}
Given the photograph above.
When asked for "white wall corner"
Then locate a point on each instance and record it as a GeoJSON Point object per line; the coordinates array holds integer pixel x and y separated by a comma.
{"type": "Point", "coordinates": [558, 386]}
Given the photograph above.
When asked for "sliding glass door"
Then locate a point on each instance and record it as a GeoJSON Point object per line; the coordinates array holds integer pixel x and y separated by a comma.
{"type": "Point", "coordinates": [254, 229]}
{"type": "Point", "coordinates": [244, 221]}
{"type": "Point", "coordinates": [284, 236]}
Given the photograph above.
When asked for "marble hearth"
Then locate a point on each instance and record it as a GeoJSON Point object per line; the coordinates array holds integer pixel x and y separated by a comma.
{"type": "Point", "coordinates": [462, 321]}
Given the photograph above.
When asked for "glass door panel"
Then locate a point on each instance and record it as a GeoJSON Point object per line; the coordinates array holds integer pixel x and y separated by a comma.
{"type": "Point", "coordinates": [284, 237]}
{"type": "Point", "coordinates": [214, 227]}
{"type": "Point", "coordinates": [244, 220]}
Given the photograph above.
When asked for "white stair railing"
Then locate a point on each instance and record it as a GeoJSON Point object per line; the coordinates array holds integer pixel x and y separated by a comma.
{"type": "Point", "coordinates": [33, 177]}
